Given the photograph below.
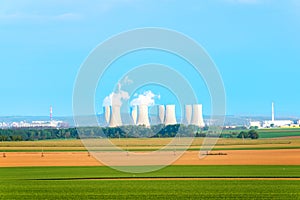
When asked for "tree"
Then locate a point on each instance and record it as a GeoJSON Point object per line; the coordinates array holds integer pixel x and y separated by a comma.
{"type": "Point", "coordinates": [250, 134]}
{"type": "Point", "coordinates": [243, 134]}
{"type": "Point", "coordinates": [253, 134]}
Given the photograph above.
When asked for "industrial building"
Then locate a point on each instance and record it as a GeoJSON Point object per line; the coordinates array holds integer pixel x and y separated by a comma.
{"type": "Point", "coordinates": [166, 114]}
{"type": "Point", "coordinates": [197, 116]}
{"type": "Point", "coordinates": [273, 122]}
{"type": "Point", "coordinates": [143, 116]}
{"type": "Point", "coordinates": [115, 116]}
{"type": "Point", "coordinates": [36, 124]}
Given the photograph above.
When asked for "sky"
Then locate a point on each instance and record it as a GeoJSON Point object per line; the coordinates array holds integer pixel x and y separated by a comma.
{"type": "Point", "coordinates": [255, 45]}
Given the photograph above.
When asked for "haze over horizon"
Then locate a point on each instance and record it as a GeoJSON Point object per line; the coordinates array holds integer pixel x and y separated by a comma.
{"type": "Point", "coordinates": [254, 43]}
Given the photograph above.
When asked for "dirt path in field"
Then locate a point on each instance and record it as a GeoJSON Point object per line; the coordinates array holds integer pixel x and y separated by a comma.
{"type": "Point", "coordinates": [236, 157]}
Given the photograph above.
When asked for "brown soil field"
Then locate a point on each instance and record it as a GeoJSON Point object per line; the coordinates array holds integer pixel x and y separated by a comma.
{"type": "Point", "coordinates": [233, 157]}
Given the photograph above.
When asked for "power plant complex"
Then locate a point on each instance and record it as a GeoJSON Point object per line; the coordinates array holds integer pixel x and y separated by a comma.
{"type": "Point", "coordinates": [273, 122]}
{"type": "Point", "coordinates": [166, 114]}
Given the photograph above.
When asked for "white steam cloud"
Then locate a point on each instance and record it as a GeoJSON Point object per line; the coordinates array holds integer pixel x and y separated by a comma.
{"type": "Point", "coordinates": [147, 98]}
{"type": "Point", "coordinates": [116, 98]}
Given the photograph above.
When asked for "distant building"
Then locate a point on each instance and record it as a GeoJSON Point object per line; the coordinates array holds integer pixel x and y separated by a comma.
{"type": "Point", "coordinates": [277, 123]}
{"type": "Point", "coordinates": [255, 124]}
{"type": "Point", "coordinates": [273, 123]}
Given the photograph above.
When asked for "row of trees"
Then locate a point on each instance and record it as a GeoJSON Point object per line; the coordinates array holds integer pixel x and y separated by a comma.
{"type": "Point", "coordinates": [36, 134]}
{"type": "Point", "coordinates": [156, 131]}
{"type": "Point", "coordinates": [253, 134]}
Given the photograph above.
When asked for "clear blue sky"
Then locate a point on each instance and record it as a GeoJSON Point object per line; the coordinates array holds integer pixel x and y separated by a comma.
{"type": "Point", "coordinates": [254, 43]}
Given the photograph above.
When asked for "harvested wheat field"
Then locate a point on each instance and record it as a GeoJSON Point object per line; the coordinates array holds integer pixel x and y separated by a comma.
{"type": "Point", "coordinates": [230, 157]}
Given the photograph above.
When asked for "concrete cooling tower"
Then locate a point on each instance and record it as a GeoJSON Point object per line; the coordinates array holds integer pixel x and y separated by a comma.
{"type": "Point", "coordinates": [161, 113]}
{"type": "Point", "coordinates": [188, 113]}
{"type": "Point", "coordinates": [143, 117]}
{"type": "Point", "coordinates": [170, 115]}
{"type": "Point", "coordinates": [197, 117]}
{"type": "Point", "coordinates": [106, 110]}
{"type": "Point", "coordinates": [134, 114]}
{"type": "Point", "coordinates": [115, 116]}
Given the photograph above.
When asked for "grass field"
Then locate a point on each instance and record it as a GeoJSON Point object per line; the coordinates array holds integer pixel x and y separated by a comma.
{"type": "Point", "coordinates": [59, 183]}
{"type": "Point", "coordinates": [93, 189]}
{"type": "Point", "coordinates": [21, 173]}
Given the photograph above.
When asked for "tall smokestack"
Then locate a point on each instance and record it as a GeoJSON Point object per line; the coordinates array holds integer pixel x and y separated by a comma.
{"type": "Point", "coordinates": [115, 117]}
{"type": "Point", "coordinates": [170, 115]}
{"type": "Point", "coordinates": [273, 112]}
{"type": "Point", "coordinates": [188, 113]}
{"type": "Point", "coordinates": [50, 113]}
{"type": "Point", "coordinates": [134, 114]}
{"type": "Point", "coordinates": [143, 116]}
{"type": "Point", "coordinates": [161, 113]}
{"type": "Point", "coordinates": [197, 117]}
{"type": "Point", "coordinates": [107, 113]}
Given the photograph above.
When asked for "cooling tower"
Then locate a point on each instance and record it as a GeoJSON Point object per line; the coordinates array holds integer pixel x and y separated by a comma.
{"type": "Point", "coordinates": [134, 114]}
{"type": "Point", "coordinates": [106, 110]}
{"type": "Point", "coordinates": [161, 113]}
{"type": "Point", "coordinates": [188, 113]}
{"type": "Point", "coordinates": [143, 117]}
{"type": "Point", "coordinates": [197, 117]}
{"type": "Point", "coordinates": [115, 116]}
{"type": "Point", "coordinates": [170, 115]}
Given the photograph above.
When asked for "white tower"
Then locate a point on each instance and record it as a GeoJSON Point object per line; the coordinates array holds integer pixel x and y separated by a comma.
{"type": "Point", "coordinates": [106, 110]}
{"type": "Point", "coordinates": [50, 113]}
{"type": "Point", "coordinates": [188, 113]}
{"type": "Point", "coordinates": [161, 113]}
{"type": "Point", "coordinates": [197, 117]}
{"type": "Point", "coordinates": [134, 114]}
{"type": "Point", "coordinates": [143, 117]}
{"type": "Point", "coordinates": [273, 112]}
{"type": "Point", "coordinates": [115, 117]}
{"type": "Point", "coordinates": [170, 115]}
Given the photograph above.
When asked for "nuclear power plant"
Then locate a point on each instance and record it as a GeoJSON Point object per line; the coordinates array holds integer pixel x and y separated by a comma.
{"type": "Point", "coordinates": [134, 114]}
{"type": "Point", "coordinates": [197, 116]}
{"type": "Point", "coordinates": [273, 122]}
{"type": "Point", "coordinates": [106, 110]}
{"type": "Point", "coordinates": [161, 114]}
{"type": "Point", "coordinates": [143, 116]}
{"type": "Point", "coordinates": [166, 114]}
{"type": "Point", "coordinates": [170, 118]}
{"type": "Point", "coordinates": [188, 113]}
{"type": "Point", "coordinates": [115, 116]}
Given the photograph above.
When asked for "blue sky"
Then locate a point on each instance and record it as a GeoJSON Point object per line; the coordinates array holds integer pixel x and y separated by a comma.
{"type": "Point", "coordinates": [254, 43]}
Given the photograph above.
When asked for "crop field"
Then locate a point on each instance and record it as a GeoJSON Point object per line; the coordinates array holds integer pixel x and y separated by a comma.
{"type": "Point", "coordinates": [181, 182]}
{"type": "Point", "coordinates": [267, 168]}
{"type": "Point", "coordinates": [276, 133]}
{"type": "Point", "coordinates": [150, 144]}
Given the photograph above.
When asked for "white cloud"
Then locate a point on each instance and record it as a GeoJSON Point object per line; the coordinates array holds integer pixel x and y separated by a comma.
{"type": "Point", "coordinates": [116, 98]}
{"type": "Point", "coordinates": [147, 98]}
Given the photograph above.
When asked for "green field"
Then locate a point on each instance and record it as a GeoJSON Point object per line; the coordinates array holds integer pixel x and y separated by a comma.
{"type": "Point", "coordinates": [277, 133]}
{"type": "Point", "coordinates": [89, 183]}
{"type": "Point", "coordinates": [94, 189]}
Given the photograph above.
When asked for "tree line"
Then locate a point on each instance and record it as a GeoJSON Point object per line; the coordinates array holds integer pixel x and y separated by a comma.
{"type": "Point", "coordinates": [155, 131]}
